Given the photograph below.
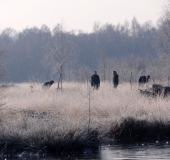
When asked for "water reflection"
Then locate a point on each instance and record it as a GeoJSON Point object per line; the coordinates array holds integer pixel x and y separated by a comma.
{"type": "Point", "coordinates": [137, 151]}
{"type": "Point", "coordinates": [147, 151]}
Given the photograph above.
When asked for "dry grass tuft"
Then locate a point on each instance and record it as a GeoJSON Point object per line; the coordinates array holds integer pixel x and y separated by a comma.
{"type": "Point", "coordinates": [57, 121]}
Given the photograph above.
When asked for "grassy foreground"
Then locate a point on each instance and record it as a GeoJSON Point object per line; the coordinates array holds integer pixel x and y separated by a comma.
{"type": "Point", "coordinates": [37, 122]}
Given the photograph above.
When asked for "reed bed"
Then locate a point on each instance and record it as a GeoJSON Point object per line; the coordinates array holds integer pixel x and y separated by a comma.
{"type": "Point", "coordinates": [36, 121]}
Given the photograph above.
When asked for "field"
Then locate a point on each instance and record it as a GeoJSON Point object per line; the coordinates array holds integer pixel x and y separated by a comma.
{"type": "Point", "coordinates": [38, 121]}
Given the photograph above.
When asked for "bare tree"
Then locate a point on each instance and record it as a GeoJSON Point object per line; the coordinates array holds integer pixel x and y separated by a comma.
{"type": "Point", "coordinates": [103, 60]}
{"type": "Point", "coordinates": [60, 51]}
{"type": "Point", "coordinates": [134, 31]}
{"type": "Point", "coordinates": [103, 65]}
{"type": "Point", "coordinates": [2, 69]}
{"type": "Point", "coordinates": [163, 39]}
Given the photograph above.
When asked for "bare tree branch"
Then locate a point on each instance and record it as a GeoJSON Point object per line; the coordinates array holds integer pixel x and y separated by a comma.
{"type": "Point", "coordinates": [59, 52]}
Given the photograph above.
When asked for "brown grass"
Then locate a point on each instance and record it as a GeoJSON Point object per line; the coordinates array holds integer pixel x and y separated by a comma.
{"type": "Point", "coordinates": [56, 121]}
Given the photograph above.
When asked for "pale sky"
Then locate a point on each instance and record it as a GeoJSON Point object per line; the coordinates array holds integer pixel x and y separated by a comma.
{"type": "Point", "coordinates": [76, 14]}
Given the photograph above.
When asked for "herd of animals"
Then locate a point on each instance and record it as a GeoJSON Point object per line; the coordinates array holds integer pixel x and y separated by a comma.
{"type": "Point", "coordinates": [156, 90]}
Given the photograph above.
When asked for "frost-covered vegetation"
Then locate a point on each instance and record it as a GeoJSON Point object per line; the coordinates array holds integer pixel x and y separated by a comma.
{"type": "Point", "coordinates": [78, 117]}
{"type": "Point", "coordinates": [102, 49]}
{"type": "Point", "coordinates": [75, 117]}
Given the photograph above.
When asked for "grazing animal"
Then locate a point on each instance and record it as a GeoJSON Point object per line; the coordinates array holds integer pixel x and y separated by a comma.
{"type": "Point", "coordinates": [156, 90]}
{"type": "Point", "coordinates": [147, 92]}
{"type": "Point", "coordinates": [160, 90]}
{"type": "Point", "coordinates": [166, 91]}
{"type": "Point", "coordinates": [47, 85]}
{"type": "Point", "coordinates": [143, 79]}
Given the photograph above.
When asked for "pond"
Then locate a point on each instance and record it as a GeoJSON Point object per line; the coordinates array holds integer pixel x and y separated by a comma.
{"type": "Point", "coordinates": [135, 151]}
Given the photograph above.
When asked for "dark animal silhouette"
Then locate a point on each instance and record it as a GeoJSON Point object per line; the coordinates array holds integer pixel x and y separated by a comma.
{"type": "Point", "coordinates": [143, 79]}
{"type": "Point", "coordinates": [156, 90]}
{"type": "Point", "coordinates": [160, 90]}
{"type": "Point", "coordinates": [47, 85]}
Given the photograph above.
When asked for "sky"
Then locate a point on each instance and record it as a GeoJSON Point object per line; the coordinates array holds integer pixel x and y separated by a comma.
{"type": "Point", "coordinates": [76, 14]}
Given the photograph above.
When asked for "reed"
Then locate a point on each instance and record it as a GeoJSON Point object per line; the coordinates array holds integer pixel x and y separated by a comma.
{"type": "Point", "coordinates": [53, 121]}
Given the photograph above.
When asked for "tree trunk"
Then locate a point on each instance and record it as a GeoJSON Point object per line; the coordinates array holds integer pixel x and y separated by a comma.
{"type": "Point", "coordinates": [61, 76]}
{"type": "Point", "coordinates": [59, 82]}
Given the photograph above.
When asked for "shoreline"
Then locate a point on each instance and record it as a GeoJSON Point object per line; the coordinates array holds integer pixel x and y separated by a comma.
{"type": "Point", "coordinates": [129, 131]}
{"type": "Point", "coordinates": [70, 121]}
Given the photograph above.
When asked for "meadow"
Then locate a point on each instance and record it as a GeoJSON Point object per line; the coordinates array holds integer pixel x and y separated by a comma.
{"type": "Point", "coordinates": [53, 121]}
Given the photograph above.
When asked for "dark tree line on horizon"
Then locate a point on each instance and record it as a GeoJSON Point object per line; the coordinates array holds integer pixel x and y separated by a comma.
{"type": "Point", "coordinates": [128, 47]}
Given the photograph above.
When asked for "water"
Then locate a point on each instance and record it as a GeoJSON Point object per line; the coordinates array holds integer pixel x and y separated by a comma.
{"type": "Point", "coordinates": [145, 151]}
{"type": "Point", "coordinates": [136, 151]}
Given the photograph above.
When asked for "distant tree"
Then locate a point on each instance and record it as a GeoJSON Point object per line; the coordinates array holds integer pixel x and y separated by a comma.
{"type": "Point", "coordinates": [83, 74]}
{"type": "Point", "coordinates": [27, 55]}
{"type": "Point", "coordinates": [102, 49]}
{"type": "Point", "coordinates": [27, 49]}
{"type": "Point", "coordinates": [103, 66]}
{"type": "Point", "coordinates": [2, 69]}
{"type": "Point", "coordinates": [163, 39]}
{"type": "Point", "coordinates": [59, 52]}
{"type": "Point", "coordinates": [135, 28]}
{"type": "Point", "coordinates": [7, 36]}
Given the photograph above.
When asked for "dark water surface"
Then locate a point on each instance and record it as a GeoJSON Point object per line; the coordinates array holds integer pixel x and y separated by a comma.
{"type": "Point", "coordinates": [138, 151]}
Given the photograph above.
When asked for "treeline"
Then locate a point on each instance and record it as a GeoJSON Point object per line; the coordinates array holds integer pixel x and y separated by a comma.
{"type": "Point", "coordinates": [127, 48]}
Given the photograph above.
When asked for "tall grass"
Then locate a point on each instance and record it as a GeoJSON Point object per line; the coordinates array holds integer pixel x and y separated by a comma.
{"type": "Point", "coordinates": [56, 121]}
